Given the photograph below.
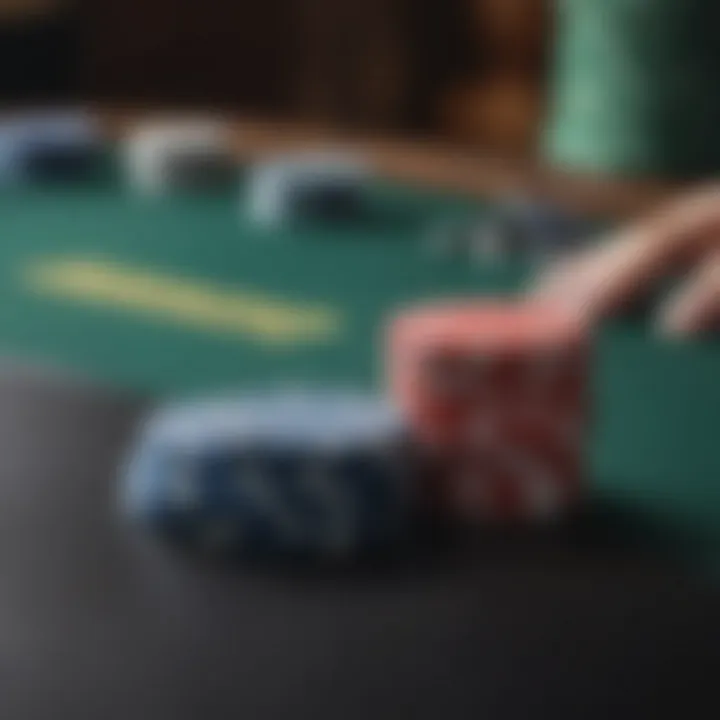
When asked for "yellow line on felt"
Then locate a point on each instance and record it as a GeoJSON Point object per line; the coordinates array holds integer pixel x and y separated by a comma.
{"type": "Point", "coordinates": [197, 304]}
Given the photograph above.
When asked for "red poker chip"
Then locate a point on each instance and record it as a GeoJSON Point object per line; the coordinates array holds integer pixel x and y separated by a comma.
{"type": "Point", "coordinates": [498, 392]}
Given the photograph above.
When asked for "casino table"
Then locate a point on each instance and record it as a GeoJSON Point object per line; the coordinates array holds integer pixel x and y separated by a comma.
{"type": "Point", "coordinates": [110, 302]}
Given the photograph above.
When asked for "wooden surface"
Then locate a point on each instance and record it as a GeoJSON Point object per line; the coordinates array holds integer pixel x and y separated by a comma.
{"type": "Point", "coordinates": [460, 169]}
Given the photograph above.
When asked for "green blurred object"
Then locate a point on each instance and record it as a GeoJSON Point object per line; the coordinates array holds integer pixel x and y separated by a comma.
{"type": "Point", "coordinates": [636, 88]}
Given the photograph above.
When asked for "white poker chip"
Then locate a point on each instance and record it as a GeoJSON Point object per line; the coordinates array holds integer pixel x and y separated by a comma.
{"type": "Point", "coordinates": [149, 150]}
{"type": "Point", "coordinates": [271, 189]}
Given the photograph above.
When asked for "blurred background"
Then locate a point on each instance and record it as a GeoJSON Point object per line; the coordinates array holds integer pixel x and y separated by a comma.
{"type": "Point", "coordinates": [464, 70]}
{"type": "Point", "coordinates": [616, 87]}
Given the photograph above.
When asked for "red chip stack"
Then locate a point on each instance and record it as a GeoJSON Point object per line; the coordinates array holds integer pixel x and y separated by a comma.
{"type": "Point", "coordinates": [498, 395]}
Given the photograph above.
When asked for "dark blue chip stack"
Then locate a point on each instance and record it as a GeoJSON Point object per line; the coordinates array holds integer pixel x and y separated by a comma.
{"type": "Point", "coordinates": [48, 147]}
{"type": "Point", "coordinates": [313, 474]}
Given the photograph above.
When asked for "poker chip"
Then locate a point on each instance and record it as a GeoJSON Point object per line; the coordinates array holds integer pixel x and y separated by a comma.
{"type": "Point", "coordinates": [313, 473]}
{"type": "Point", "coordinates": [50, 145]}
{"type": "Point", "coordinates": [499, 392]}
{"type": "Point", "coordinates": [310, 186]}
{"type": "Point", "coordinates": [182, 155]}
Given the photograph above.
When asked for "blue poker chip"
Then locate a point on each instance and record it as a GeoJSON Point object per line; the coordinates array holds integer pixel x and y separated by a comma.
{"type": "Point", "coordinates": [47, 145]}
{"type": "Point", "coordinates": [318, 474]}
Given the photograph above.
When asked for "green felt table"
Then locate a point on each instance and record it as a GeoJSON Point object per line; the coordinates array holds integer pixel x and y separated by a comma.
{"type": "Point", "coordinates": [84, 270]}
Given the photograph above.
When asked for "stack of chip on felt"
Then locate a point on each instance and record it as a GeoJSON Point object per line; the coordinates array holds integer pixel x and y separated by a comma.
{"type": "Point", "coordinates": [496, 396]}
{"type": "Point", "coordinates": [182, 155]}
{"type": "Point", "coordinates": [310, 186]}
{"type": "Point", "coordinates": [48, 146]}
{"type": "Point", "coordinates": [485, 424]}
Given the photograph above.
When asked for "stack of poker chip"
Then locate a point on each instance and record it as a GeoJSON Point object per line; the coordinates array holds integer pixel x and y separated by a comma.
{"type": "Point", "coordinates": [497, 396]}
{"type": "Point", "coordinates": [317, 474]}
{"type": "Point", "coordinates": [51, 145]}
{"type": "Point", "coordinates": [319, 186]}
{"type": "Point", "coordinates": [485, 425]}
{"type": "Point", "coordinates": [179, 156]}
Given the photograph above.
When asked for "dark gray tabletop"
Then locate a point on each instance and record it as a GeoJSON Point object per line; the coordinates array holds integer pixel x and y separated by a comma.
{"type": "Point", "coordinates": [96, 622]}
